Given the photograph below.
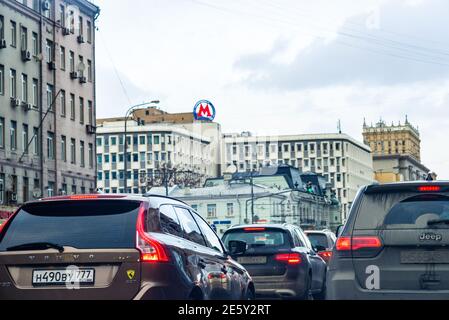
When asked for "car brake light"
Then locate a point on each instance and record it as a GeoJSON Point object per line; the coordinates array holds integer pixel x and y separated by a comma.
{"type": "Point", "coordinates": [254, 229]}
{"type": "Point", "coordinates": [325, 254]}
{"type": "Point", "coordinates": [429, 188]}
{"type": "Point", "coordinates": [150, 249]}
{"type": "Point", "coordinates": [356, 243]}
{"type": "Point", "coordinates": [290, 258]}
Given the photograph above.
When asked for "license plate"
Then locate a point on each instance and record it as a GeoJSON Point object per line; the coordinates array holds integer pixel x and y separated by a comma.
{"type": "Point", "coordinates": [425, 257]}
{"type": "Point", "coordinates": [63, 277]}
{"type": "Point", "coordinates": [252, 260]}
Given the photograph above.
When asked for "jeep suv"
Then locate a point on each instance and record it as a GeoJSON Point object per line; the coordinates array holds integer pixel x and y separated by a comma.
{"type": "Point", "coordinates": [115, 247]}
{"type": "Point", "coordinates": [395, 244]}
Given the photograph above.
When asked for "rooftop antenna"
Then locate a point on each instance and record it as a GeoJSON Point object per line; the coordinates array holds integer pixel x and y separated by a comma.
{"type": "Point", "coordinates": [339, 126]}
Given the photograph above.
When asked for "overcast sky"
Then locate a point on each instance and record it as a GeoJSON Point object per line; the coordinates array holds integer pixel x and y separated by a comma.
{"type": "Point", "coordinates": [283, 66]}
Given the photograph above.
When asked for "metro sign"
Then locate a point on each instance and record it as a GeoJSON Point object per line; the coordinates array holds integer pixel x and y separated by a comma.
{"type": "Point", "coordinates": [204, 111]}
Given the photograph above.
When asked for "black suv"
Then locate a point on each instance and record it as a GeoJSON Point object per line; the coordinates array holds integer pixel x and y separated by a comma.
{"type": "Point", "coordinates": [115, 247]}
{"type": "Point", "coordinates": [395, 244]}
{"type": "Point", "coordinates": [281, 260]}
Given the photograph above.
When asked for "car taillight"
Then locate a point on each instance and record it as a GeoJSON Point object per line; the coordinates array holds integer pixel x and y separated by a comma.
{"type": "Point", "coordinates": [356, 243]}
{"type": "Point", "coordinates": [8, 221]}
{"type": "Point", "coordinates": [326, 255]}
{"type": "Point", "coordinates": [254, 229]}
{"type": "Point", "coordinates": [290, 258]}
{"type": "Point", "coordinates": [429, 188]}
{"type": "Point", "coordinates": [150, 249]}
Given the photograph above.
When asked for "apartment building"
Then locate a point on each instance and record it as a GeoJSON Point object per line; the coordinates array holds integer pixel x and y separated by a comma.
{"type": "Point", "coordinates": [47, 98]}
{"type": "Point", "coordinates": [344, 162]}
{"type": "Point", "coordinates": [151, 147]}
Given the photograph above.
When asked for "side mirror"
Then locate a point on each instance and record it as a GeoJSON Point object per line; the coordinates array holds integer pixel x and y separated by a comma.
{"type": "Point", "coordinates": [236, 247]}
{"type": "Point", "coordinates": [339, 230]}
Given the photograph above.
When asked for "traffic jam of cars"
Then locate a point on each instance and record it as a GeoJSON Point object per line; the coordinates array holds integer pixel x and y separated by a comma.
{"type": "Point", "coordinates": [395, 245]}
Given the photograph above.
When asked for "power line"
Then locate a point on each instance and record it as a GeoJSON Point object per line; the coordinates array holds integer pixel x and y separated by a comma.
{"type": "Point", "coordinates": [421, 57]}
{"type": "Point", "coordinates": [103, 42]}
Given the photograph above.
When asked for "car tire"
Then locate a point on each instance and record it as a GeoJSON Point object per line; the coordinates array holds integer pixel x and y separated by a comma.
{"type": "Point", "coordinates": [322, 294]}
{"type": "Point", "coordinates": [307, 295]}
{"type": "Point", "coordinates": [249, 295]}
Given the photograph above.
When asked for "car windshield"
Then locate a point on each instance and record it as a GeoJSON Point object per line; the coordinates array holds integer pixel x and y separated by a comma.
{"type": "Point", "coordinates": [78, 224]}
{"type": "Point", "coordinates": [401, 211]}
{"type": "Point", "coordinates": [259, 240]}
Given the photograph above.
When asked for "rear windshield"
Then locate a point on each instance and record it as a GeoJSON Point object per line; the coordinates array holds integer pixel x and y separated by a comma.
{"type": "Point", "coordinates": [401, 211]}
{"type": "Point", "coordinates": [82, 225]}
{"type": "Point", "coordinates": [259, 240]}
{"type": "Point", "coordinates": [318, 239]}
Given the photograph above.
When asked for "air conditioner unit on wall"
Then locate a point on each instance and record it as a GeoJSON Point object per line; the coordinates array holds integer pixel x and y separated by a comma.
{"type": "Point", "coordinates": [65, 31]}
{"type": "Point", "coordinates": [52, 65]}
{"type": "Point", "coordinates": [15, 102]}
{"type": "Point", "coordinates": [26, 55]}
{"type": "Point", "coordinates": [74, 75]}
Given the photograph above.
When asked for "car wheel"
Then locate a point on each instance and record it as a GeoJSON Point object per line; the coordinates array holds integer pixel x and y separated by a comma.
{"type": "Point", "coordinates": [322, 294]}
{"type": "Point", "coordinates": [307, 295]}
{"type": "Point", "coordinates": [250, 295]}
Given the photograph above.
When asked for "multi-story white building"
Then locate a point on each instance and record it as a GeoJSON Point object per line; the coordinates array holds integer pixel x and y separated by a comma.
{"type": "Point", "coordinates": [346, 163]}
{"type": "Point", "coordinates": [150, 148]}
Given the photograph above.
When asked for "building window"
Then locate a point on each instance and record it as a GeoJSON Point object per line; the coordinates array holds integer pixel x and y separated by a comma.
{"type": "Point", "coordinates": [35, 44]}
{"type": "Point", "coordinates": [63, 104]}
{"type": "Point", "coordinates": [24, 88]}
{"type": "Point", "coordinates": [72, 107]}
{"type": "Point", "coordinates": [64, 148]}
{"type": "Point", "coordinates": [81, 25]}
{"type": "Point", "coordinates": [49, 50]}
{"type": "Point", "coordinates": [35, 93]}
{"type": "Point", "coordinates": [90, 112]}
{"type": "Point", "coordinates": [23, 39]}
{"type": "Point", "coordinates": [89, 71]}
{"type": "Point", "coordinates": [62, 57]}
{"type": "Point", "coordinates": [72, 151]}
{"type": "Point", "coordinates": [2, 80]}
{"type": "Point", "coordinates": [2, 133]}
{"type": "Point", "coordinates": [36, 140]}
{"type": "Point", "coordinates": [50, 97]}
{"type": "Point", "coordinates": [12, 83]}
{"type": "Point", "coordinates": [81, 110]}
{"type": "Point", "coordinates": [91, 156]}
{"type": "Point", "coordinates": [72, 61]}
{"type": "Point", "coordinates": [82, 156]}
{"type": "Point", "coordinates": [25, 138]}
{"type": "Point", "coordinates": [62, 15]}
{"type": "Point", "coordinates": [13, 34]}
{"type": "Point", "coordinates": [2, 27]}
{"type": "Point", "coordinates": [13, 135]}
{"type": "Point", "coordinates": [211, 211]}
{"type": "Point", "coordinates": [89, 31]}
{"type": "Point", "coordinates": [50, 146]}
{"type": "Point", "coordinates": [230, 210]}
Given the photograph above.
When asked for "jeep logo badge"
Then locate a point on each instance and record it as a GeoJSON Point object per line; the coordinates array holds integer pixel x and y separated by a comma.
{"type": "Point", "coordinates": [430, 237]}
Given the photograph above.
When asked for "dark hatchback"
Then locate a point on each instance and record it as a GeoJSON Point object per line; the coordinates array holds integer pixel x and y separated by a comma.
{"type": "Point", "coordinates": [280, 259]}
{"type": "Point", "coordinates": [395, 244]}
{"type": "Point", "coordinates": [115, 247]}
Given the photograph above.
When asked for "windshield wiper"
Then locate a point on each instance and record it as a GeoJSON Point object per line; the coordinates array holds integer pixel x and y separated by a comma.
{"type": "Point", "coordinates": [435, 222]}
{"type": "Point", "coordinates": [37, 246]}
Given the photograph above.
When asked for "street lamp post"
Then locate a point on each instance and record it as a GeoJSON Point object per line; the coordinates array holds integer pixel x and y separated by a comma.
{"type": "Point", "coordinates": [127, 115]}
